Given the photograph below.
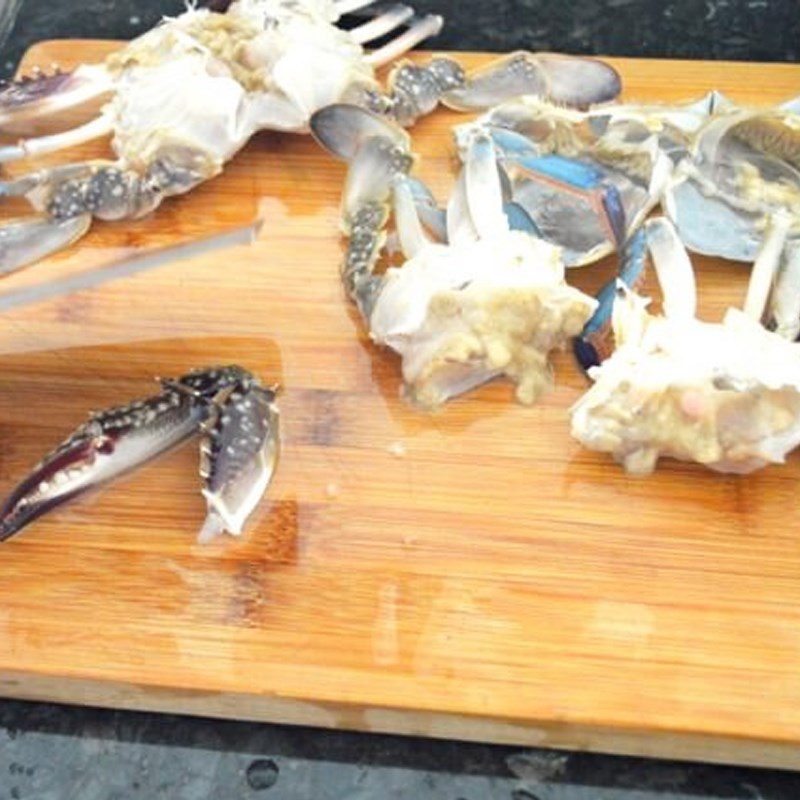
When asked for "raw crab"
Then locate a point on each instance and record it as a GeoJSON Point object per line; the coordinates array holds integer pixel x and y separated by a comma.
{"type": "Point", "coordinates": [587, 179]}
{"type": "Point", "coordinates": [239, 450]}
{"type": "Point", "coordinates": [725, 395]}
{"type": "Point", "coordinates": [491, 301]}
{"type": "Point", "coordinates": [742, 168]}
{"type": "Point", "coordinates": [190, 93]}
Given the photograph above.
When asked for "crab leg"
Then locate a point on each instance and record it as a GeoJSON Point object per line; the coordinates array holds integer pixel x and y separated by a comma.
{"type": "Point", "coordinates": [409, 227]}
{"type": "Point", "coordinates": [766, 265]}
{"type": "Point", "coordinates": [484, 189]}
{"type": "Point", "coordinates": [673, 268]}
{"type": "Point", "coordinates": [42, 94]}
{"type": "Point", "coordinates": [568, 80]}
{"type": "Point", "coordinates": [657, 243]}
{"type": "Point", "coordinates": [415, 91]}
{"type": "Point", "coordinates": [99, 189]}
{"type": "Point", "coordinates": [460, 226]}
{"type": "Point", "coordinates": [784, 306]}
{"type": "Point", "coordinates": [101, 126]}
{"type": "Point", "coordinates": [595, 343]}
{"type": "Point", "coordinates": [25, 241]}
{"type": "Point", "coordinates": [382, 24]}
{"type": "Point", "coordinates": [378, 155]}
{"type": "Point", "coordinates": [417, 32]}
{"type": "Point", "coordinates": [428, 211]}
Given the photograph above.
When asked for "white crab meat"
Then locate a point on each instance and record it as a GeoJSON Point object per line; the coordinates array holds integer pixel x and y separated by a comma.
{"type": "Point", "coordinates": [464, 313]}
{"type": "Point", "coordinates": [725, 395]}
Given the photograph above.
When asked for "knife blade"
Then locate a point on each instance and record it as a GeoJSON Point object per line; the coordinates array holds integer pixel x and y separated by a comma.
{"type": "Point", "coordinates": [130, 265]}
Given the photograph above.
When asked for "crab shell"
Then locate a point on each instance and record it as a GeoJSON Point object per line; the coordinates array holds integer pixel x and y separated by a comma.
{"type": "Point", "coordinates": [744, 168]}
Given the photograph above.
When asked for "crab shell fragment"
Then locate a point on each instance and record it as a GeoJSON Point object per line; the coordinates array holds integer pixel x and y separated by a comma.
{"type": "Point", "coordinates": [587, 179]}
{"type": "Point", "coordinates": [743, 168]}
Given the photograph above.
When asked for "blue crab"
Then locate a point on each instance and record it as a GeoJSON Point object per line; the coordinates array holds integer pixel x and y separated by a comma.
{"type": "Point", "coordinates": [187, 95]}
{"type": "Point", "coordinates": [489, 300]}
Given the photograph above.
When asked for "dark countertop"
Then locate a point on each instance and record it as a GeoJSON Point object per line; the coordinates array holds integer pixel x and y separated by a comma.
{"type": "Point", "coordinates": [755, 30]}
{"type": "Point", "coordinates": [56, 753]}
{"type": "Point", "coordinates": [50, 752]}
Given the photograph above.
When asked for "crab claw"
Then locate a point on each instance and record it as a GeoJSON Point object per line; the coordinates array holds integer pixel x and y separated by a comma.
{"type": "Point", "coordinates": [41, 94]}
{"type": "Point", "coordinates": [109, 445]}
{"type": "Point", "coordinates": [568, 80]}
{"type": "Point", "coordinates": [24, 241]}
{"type": "Point", "coordinates": [238, 457]}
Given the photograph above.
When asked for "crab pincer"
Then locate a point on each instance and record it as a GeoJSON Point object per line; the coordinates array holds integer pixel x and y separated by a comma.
{"type": "Point", "coordinates": [238, 456]}
{"type": "Point", "coordinates": [239, 422]}
{"type": "Point", "coordinates": [110, 444]}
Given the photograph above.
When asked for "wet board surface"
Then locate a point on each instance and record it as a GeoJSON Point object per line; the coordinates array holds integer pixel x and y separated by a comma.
{"type": "Point", "coordinates": [472, 574]}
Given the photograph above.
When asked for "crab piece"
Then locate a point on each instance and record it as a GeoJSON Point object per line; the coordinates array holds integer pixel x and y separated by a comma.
{"type": "Point", "coordinates": [239, 454]}
{"type": "Point", "coordinates": [491, 301]}
{"type": "Point", "coordinates": [586, 179]}
{"type": "Point", "coordinates": [117, 441]}
{"type": "Point", "coordinates": [564, 80]}
{"type": "Point", "coordinates": [743, 168]}
{"type": "Point", "coordinates": [187, 95]}
{"type": "Point", "coordinates": [725, 395]}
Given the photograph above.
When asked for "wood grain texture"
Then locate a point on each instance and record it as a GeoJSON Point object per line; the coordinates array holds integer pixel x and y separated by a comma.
{"type": "Point", "coordinates": [494, 581]}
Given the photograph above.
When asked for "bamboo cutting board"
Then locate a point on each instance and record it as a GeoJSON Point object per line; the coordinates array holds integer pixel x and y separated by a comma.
{"type": "Point", "coordinates": [472, 574]}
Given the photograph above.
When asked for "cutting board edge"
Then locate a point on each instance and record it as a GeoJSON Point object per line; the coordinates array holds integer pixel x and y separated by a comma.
{"type": "Point", "coordinates": [660, 744]}
{"type": "Point", "coordinates": [31, 53]}
{"type": "Point", "coordinates": [107, 692]}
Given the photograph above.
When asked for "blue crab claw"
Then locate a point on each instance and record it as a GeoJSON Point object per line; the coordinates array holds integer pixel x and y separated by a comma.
{"type": "Point", "coordinates": [568, 80]}
{"type": "Point", "coordinates": [238, 456]}
{"type": "Point", "coordinates": [25, 241]}
{"type": "Point", "coordinates": [110, 444]}
{"type": "Point", "coordinates": [117, 441]}
{"type": "Point", "coordinates": [42, 94]}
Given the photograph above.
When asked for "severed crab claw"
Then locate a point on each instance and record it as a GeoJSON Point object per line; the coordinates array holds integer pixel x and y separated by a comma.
{"type": "Point", "coordinates": [491, 301]}
{"type": "Point", "coordinates": [239, 454]}
{"type": "Point", "coordinates": [240, 425]}
{"type": "Point", "coordinates": [725, 395]}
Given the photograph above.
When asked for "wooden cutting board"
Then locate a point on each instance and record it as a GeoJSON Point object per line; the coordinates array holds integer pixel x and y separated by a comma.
{"type": "Point", "coordinates": [471, 574]}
